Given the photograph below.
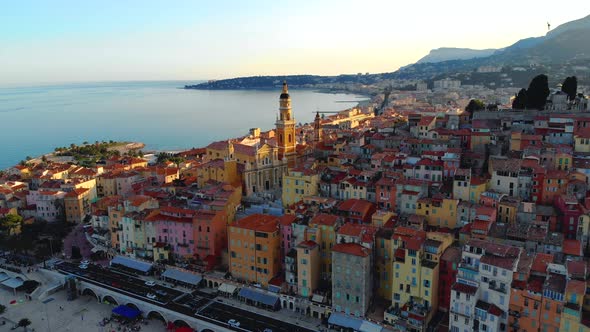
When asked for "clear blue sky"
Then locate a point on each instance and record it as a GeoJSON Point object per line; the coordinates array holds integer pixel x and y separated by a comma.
{"type": "Point", "coordinates": [61, 41]}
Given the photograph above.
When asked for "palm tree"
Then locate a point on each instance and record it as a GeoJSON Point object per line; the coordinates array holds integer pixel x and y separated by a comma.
{"type": "Point", "coordinates": [24, 323]}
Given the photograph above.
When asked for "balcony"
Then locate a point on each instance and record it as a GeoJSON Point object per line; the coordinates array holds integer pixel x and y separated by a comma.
{"type": "Point", "coordinates": [471, 268]}
{"type": "Point", "coordinates": [494, 286]}
{"type": "Point", "coordinates": [459, 312]}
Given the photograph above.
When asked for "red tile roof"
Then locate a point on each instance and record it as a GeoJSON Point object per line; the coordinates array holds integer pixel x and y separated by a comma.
{"type": "Point", "coordinates": [351, 249]}
{"type": "Point", "coordinates": [258, 222]}
{"type": "Point", "coordinates": [541, 261]}
{"type": "Point", "coordinates": [324, 219]}
{"type": "Point", "coordinates": [463, 288]}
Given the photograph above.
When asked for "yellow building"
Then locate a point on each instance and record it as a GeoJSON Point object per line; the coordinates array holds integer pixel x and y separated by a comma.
{"type": "Point", "coordinates": [254, 248]}
{"type": "Point", "coordinates": [563, 161]}
{"type": "Point", "coordinates": [384, 262]}
{"type": "Point", "coordinates": [218, 170]}
{"type": "Point", "coordinates": [571, 315]}
{"type": "Point", "coordinates": [262, 168]}
{"type": "Point", "coordinates": [322, 229]}
{"type": "Point", "coordinates": [299, 183]}
{"type": "Point", "coordinates": [582, 142]}
{"type": "Point", "coordinates": [507, 209]}
{"type": "Point", "coordinates": [308, 267]}
{"type": "Point", "coordinates": [77, 205]}
{"type": "Point", "coordinates": [439, 212]}
{"type": "Point", "coordinates": [381, 217]}
{"type": "Point", "coordinates": [416, 256]}
{"type": "Point", "coordinates": [479, 140]}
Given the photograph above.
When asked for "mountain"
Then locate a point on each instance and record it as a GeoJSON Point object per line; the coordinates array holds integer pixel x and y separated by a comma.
{"type": "Point", "coordinates": [452, 53]}
{"type": "Point", "coordinates": [583, 23]}
{"type": "Point", "coordinates": [563, 51]}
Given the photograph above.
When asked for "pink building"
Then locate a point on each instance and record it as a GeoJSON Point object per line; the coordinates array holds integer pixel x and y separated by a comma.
{"type": "Point", "coordinates": [174, 226]}
{"type": "Point", "coordinates": [286, 231]}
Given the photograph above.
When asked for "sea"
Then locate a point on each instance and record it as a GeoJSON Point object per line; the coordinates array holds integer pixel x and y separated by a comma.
{"type": "Point", "coordinates": [34, 120]}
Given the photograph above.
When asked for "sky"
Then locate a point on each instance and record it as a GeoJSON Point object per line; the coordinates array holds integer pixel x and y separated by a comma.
{"type": "Point", "coordinates": [114, 40]}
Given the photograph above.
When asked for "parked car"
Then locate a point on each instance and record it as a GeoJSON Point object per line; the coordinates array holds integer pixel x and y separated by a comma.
{"type": "Point", "coordinates": [83, 266]}
{"type": "Point", "coordinates": [85, 262]}
{"type": "Point", "coordinates": [150, 283]}
{"type": "Point", "coordinates": [151, 296]}
{"type": "Point", "coordinates": [233, 323]}
{"type": "Point", "coordinates": [267, 330]}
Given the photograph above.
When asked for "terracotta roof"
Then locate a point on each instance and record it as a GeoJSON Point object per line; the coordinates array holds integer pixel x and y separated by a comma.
{"type": "Point", "coordinates": [351, 249]}
{"type": "Point", "coordinates": [464, 288]}
{"type": "Point", "coordinates": [355, 205]}
{"type": "Point", "coordinates": [324, 219]}
{"type": "Point", "coordinates": [77, 192]}
{"type": "Point", "coordinates": [307, 244]}
{"type": "Point", "coordinates": [258, 222]}
{"type": "Point", "coordinates": [577, 269]}
{"type": "Point", "coordinates": [502, 262]}
{"type": "Point", "coordinates": [541, 261]}
{"type": "Point", "coordinates": [576, 287]}
{"type": "Point", "coordinates": [572, 247]}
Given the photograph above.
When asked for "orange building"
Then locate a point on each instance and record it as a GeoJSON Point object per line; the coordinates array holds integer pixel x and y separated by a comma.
{"type": "Point", "coordinates": [210, 236]}
{"type": "Point", "coordinates": [254, 248]}
{"type": "Point", "coordinates": [555, 184]}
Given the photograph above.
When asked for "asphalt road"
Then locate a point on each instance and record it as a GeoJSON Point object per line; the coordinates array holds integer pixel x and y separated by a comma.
{"type": "Point", "coordinates": [196, 304]}
{"type": "Point", "coordinates": [248, 320]}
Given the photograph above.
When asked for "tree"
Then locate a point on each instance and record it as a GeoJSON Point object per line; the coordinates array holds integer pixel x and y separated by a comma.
{"type": "Point", "coordinates": [538, 92]}
{"type": "Point", "coordinates": [10, 222]}
{"type": "Point", "coordinates": [520, 101]}
{"type": "Point", "coordinates": [24, 323]}
{"type": "Point", "coordinates": [570, 86]}
{"type": "Point", "coordinates": [475, 105]}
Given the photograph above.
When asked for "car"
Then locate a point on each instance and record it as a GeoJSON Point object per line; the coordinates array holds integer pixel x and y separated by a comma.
{"type": "Point", "coordinates": [83, 266]}
{"type": "Point", "coordinates": [233, 323]}
{"type": "Point", "coordinates": [267, 330]}
{"type": "Point", "coordinates": [150, 283]}
{"type": "Point", "coordinates": [151, 296]}
{"type": "Point", "coordinates": [85, 262]}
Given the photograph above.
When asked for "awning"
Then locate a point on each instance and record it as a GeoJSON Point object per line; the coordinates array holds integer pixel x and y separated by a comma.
{"type": "Point", "coordinates": [227, 288]}
{"type": "Point", "coordinates": [186, 277]}
{"type": "Point", "coordinates": [13, 282]}
{"type": "Point", "coordinates": [132, 264]}
{"type": "Point", "coordinates": [260, 297]}
{"type": "Point", "coordinates": [126, 311]}
{"type": "Point", "coordinates": [367, 326]}
{"type": "Point", "coordinates": [317, 298]}
{"type": "Point", "coordinates": [343, 320]}
{"type": "Point", "coordinates": [4, 276]}
{"type": "Point", "coordinates": [354, 323]}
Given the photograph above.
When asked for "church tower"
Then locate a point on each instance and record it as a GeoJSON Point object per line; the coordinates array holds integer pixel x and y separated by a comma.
{"type": "Point", "coordinates": [285, 127]}
{"type": "Point", "coordinates": [317, 129]}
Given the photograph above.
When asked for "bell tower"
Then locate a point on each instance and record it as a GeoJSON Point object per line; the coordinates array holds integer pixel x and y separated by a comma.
{"type": "Point", "coordinates": [285, 127]}
{"type": "Point", "coordinates": [317, 129]}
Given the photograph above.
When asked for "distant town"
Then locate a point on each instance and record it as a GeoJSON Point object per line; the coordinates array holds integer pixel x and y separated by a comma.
{"type": "Point", "coordinates": [451, 208]}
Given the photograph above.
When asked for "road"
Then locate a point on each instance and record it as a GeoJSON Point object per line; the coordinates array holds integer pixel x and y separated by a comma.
{"type": "Point", "coordinates": [196, 304]}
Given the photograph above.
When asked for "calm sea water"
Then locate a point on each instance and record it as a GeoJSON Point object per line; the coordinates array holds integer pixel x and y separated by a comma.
{"type": "Point", "coordinates": [35, 120]}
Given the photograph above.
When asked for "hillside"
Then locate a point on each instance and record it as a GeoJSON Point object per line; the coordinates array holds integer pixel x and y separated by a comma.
{"type": "Point", "coordinates": [564, 51]}
{"type": "Point", "coordinates": [452, 53]}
